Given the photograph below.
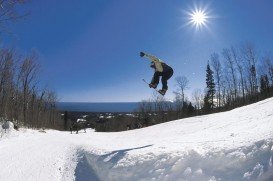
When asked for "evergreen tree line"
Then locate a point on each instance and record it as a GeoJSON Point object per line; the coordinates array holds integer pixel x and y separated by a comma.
{"type": "Point", "coordinates": [22, 101]}
{"type": "Point", "coordinates": [237, 77]}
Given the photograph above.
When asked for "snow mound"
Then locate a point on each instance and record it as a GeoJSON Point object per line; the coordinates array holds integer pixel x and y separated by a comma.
{"type": "Point", "coordinates": [7, 125]}
{"type": "Point", "coordinates": [7, 129]}
{"type": "Point", "coordinates": [245, 163]}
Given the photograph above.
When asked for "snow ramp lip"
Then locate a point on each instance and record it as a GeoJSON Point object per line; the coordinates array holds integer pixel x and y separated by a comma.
{"type": "Point", "coordinates": [84, 171]}
{"type": "Point", "coordinates": [91, 167]}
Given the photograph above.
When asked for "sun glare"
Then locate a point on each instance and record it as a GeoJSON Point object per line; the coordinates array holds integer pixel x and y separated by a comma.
{"type": "Point", "coordinates": [198, 17]}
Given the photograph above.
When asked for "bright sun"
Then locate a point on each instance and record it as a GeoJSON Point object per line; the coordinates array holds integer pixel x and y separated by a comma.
{"type": "Point", "coordinates": [198, 18]}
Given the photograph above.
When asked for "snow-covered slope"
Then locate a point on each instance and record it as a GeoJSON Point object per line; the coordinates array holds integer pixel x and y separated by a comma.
{"type": "Point", "coordinates": [234, 145]}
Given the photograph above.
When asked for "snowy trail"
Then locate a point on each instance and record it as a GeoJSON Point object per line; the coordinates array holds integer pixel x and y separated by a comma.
{"type": "Point", "coordinates": [35, 157]}
{"type": "Point", "coordinates": [234, 145]}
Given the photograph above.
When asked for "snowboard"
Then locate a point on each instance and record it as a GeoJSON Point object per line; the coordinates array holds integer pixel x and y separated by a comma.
{"type": "Point", "coordinates": [153, 88]}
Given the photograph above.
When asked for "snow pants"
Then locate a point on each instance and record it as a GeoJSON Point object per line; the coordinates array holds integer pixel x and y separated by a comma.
{"type": "Point", "coordinates": [164, 77]}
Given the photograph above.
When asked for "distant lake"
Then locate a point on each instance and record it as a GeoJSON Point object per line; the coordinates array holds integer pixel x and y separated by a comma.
{"type": "Point", "coordinates": [98, 107]}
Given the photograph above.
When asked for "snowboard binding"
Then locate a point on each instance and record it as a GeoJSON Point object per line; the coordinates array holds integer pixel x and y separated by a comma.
{"type": "Point", "coordinates": [162, 91]}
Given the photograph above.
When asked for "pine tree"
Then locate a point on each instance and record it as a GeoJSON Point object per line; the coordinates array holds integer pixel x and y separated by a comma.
{"type": "Point", "coordinates": [210, 92]}
{"type": "Point", "coordinates": [190, 109]}
{"type": "Point", "coordinates": [264, 85]}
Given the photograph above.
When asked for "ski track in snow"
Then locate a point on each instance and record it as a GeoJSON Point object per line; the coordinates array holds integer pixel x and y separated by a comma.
{"type": "Point", "coordinates": [233, 145]}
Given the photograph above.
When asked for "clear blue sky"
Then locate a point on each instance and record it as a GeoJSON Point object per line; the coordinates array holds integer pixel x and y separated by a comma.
{"type": "Point", "coordinates": [89, 50]}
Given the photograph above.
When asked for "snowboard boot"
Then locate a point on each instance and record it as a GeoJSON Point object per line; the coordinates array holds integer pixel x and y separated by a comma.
{"type": "Point", "coordinates": [152, 85]}
{"type": "Point", "coordinates": [162, 91]}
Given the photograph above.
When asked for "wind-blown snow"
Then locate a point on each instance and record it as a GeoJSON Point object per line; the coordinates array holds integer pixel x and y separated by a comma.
{"type": "Point", "coordinates": [234, 145]}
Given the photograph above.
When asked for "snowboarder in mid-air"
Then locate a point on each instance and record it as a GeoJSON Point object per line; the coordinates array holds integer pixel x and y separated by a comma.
{"type": "Point", "coordinates": [161, 70]}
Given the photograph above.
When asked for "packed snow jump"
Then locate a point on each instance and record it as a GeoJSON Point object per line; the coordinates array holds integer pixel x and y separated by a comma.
{"type": "Point", "coordinates": [161, 70]}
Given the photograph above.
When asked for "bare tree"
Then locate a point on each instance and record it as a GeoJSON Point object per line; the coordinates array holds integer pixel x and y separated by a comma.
{"type": "Point", "coordinates": [9, 12]}
{"type": "Point", "coordinates": [198, 98]}
{"type": "Point", "coordinates": [224, 89]}
{"type": "Point", "coordinates": [50, 103]}
{"type": "Point", "coordinates": [240, 67]}
{"type": "Point", "coordinates": [27, 78]}
{"type": "Point", "coordinates": [159, 106]}
{"type": "Point", "coordinates": [182, 83]}
{"type": "Point", "coordinates": [231, 68]}
{"type": "Point", "coordinates": [268, 64]}
{"type": "Point", "coordinates": [6, 79]}
{"type": "Point", "coordinates": [251, 59]}
{"type": "Point", "coordinates": [216, 65]}
{"type": "Point", "coordinates": [20, 100]}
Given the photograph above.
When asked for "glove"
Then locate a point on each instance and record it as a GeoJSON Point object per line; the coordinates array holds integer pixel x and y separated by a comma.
{"type": "Point", "coordinates": [142, 54]}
